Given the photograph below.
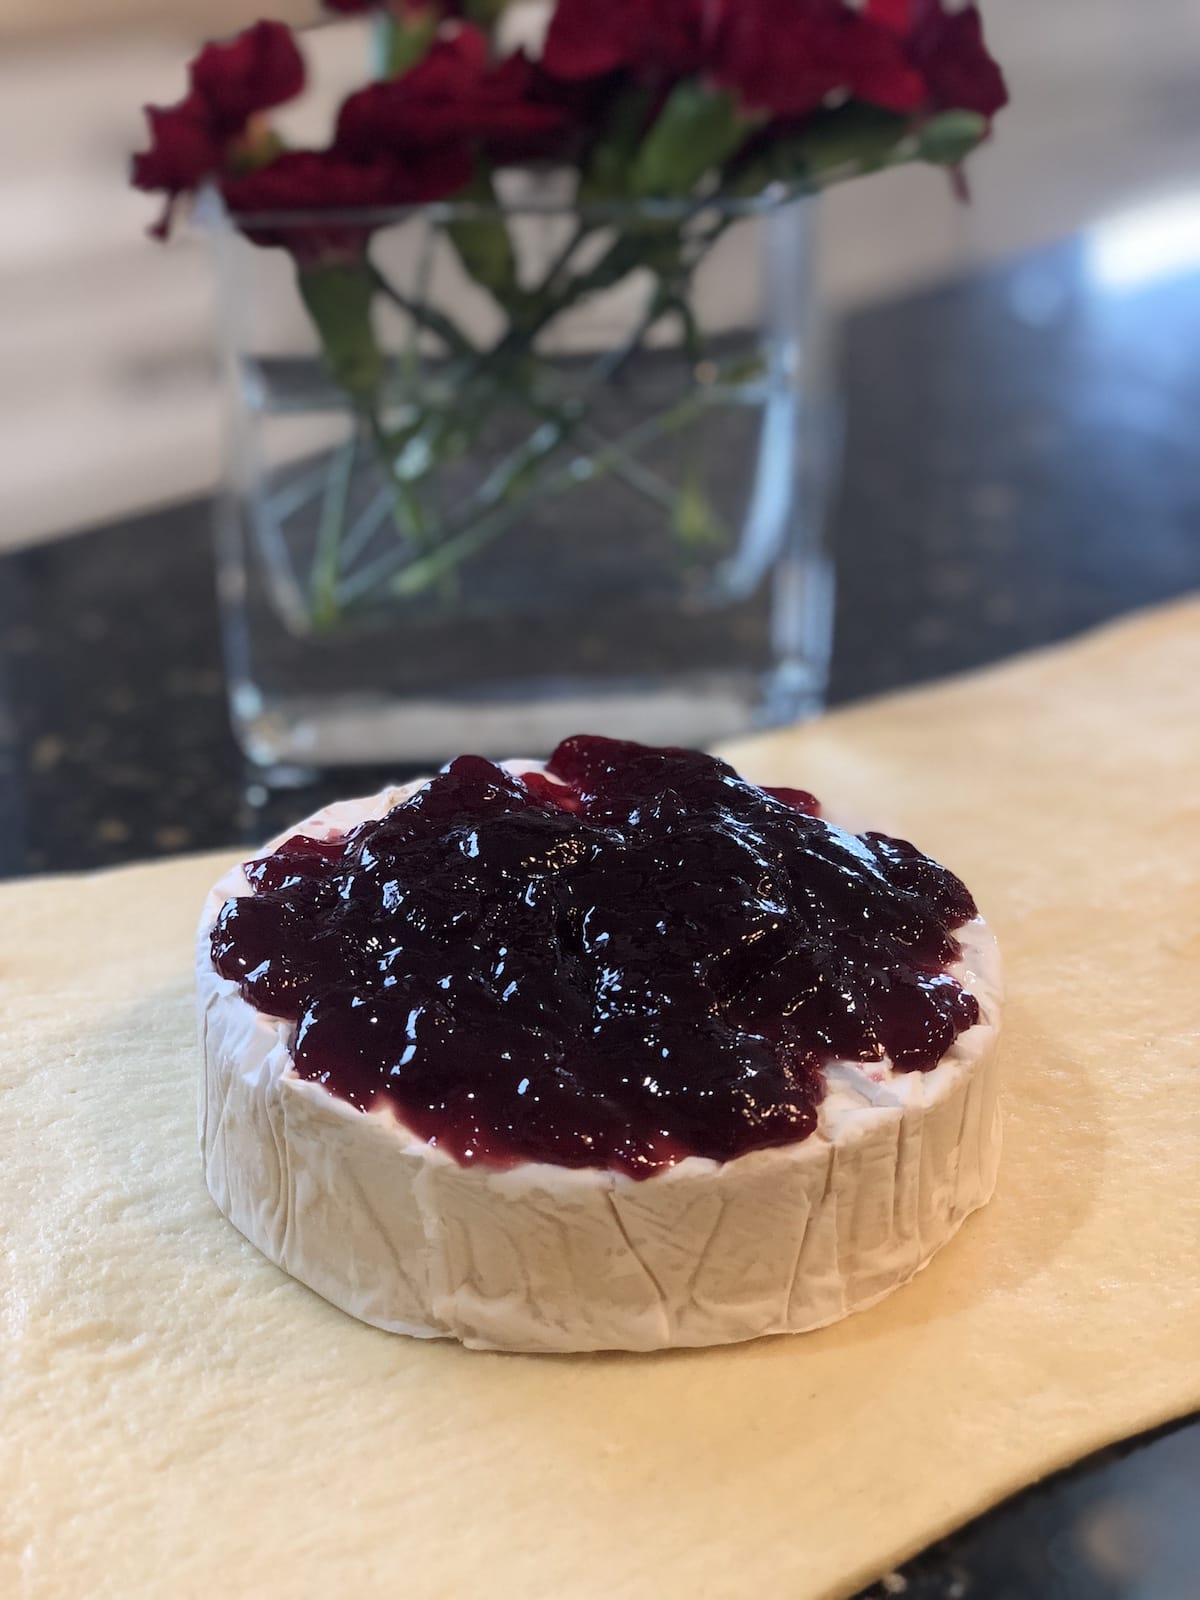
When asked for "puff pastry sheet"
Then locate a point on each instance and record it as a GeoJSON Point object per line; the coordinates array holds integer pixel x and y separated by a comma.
{"type": "Point", "coordinates": [180, 1418]}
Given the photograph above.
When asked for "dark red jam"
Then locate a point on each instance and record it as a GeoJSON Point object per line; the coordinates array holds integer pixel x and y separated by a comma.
{"type": "Point", "coordinates": [648, 959]}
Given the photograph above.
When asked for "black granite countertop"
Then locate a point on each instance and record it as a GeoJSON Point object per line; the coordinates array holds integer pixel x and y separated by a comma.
{"type": "Point", "coordinates": [1020, 465]}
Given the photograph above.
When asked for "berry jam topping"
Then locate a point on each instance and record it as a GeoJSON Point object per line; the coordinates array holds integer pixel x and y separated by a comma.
{"type": "Point", "coordinates": [635, 958]}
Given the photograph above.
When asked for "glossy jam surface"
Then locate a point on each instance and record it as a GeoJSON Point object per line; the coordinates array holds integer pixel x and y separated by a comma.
{"type": "Point", "coordinates": [637, 958]}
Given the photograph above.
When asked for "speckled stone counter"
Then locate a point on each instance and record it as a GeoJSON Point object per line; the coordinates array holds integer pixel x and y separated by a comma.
{"type": "Point", "coordinates": [1020, 464]}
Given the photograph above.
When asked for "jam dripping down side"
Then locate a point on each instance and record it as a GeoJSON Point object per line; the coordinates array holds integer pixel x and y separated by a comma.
{"type": "Point", "coordinates": [631, 958]}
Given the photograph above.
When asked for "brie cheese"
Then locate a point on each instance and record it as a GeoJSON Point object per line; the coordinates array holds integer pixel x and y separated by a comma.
{"type": "Point", "coordinates": [539, 1257]}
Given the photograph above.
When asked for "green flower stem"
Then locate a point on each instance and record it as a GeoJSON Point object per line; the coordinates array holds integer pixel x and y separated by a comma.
{"type": "Point", "coordinates": [337, 296]}
{"type": "Point", "coordinates": [634, 473]}
{"type": "Point", "coordinates": [400, 42]}
{"type": "Point", "coordinates": [464, 531]}
{"type": "Point", "coordinates": [659, 245]}
{"type": "Point", "coordinates": [559, 426]}
{"type": "Point", "coordinates": [543, 295]}
{"type": "Point", "coordinates": [298, 492]}
{"type": "Point", "coordinates": [468, 541]}
{"type": "Point", "coordinates": [367, 524]}
{"type": "Point", "coordinates": [549, 301]}
{"type": "Point", "coordinates": [428, 317]}
{"type": "Point", "coordinates": [698, 138]}
{"type": "Point", "coordinates": [498, 491]}
{"type": "Point", "coordinates": [323, 578]}
{"type": "Point", "coordinates": [406, 502]}
{"type": "Point", "coordinates": [478, 381]}
{"type": "Point", "coordinates": [675, 418]}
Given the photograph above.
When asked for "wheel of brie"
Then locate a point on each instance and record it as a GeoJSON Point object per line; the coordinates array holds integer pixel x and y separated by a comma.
{"type": "Point", "coordinates": [619, 1052]}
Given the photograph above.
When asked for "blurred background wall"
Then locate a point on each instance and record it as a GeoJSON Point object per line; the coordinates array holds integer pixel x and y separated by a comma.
{"type": "Point", "coordinates": [108, 395]}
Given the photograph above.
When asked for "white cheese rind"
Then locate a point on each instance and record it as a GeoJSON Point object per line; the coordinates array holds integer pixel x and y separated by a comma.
{"type": "Point", "coordinates": [548, 1258]}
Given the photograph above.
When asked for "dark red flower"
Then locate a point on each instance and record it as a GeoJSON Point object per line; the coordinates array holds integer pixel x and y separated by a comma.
{"type": "Point", "coordinates": [259, 69]}
{"type": "Point", "coordinates": [231, 82]}
{"type": "Point", "coordinates": [789, 56]}
{"type": "Point", "coordinates": [948, 51]}
{"type": "Point", "coordinates": [183, 152]}
{"type": "Point", "coordinates": [321, 180]}
{"type": "Point", "coordinates": [182, 149]}
{"type": "Point", "coordinates": [521, 114]}
{"type": "Point", "coordinates": [455, 95]}
{"type": "Point", "coordinates": [899, 15]}
{"type": "Point", "coordinates": [653, 39]}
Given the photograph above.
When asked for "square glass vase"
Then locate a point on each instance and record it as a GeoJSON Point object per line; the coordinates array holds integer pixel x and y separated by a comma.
{"type": "Point", "coordinates": [508, 473]}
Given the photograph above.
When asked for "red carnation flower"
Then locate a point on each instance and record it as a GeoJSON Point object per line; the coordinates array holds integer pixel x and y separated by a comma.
{"type": "Point", "coordinates": [259, 69]}
{"type": "Point", "coordinates": [317, 180]}
{"type": "Point", "coordinates": [231, 82]}
{"type": "Point", "coordinates": [947, 49]}
{"type": "Point", "coordinates": [183, 152]}
{"type": "Point", "coordinates": [453, 96]}
{"type": "Point", "coordinates": [899, 15]}
{"type": "Point", "coordinates": [652, 38]}
{"type": "Point", "coordinates": [789, 56]}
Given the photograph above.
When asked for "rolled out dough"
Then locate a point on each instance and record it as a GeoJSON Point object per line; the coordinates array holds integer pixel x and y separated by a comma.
{"type": "Point", "coordinates": [178, 1418]}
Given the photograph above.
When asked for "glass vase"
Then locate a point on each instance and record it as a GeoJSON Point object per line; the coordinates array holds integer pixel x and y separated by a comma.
{"type": "Point", "coordinates": [580, 486]}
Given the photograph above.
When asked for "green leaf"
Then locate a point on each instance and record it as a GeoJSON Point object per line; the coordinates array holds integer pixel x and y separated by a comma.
{"type": "Point", "coordinates": [696, 130]}
{"type": "Point", "coordinates": [485, 247]}
{"type": "Point", "coordinates": [486, 251]}
{"type": "Point", "coordinates": [949, 138]}
{"type": "Point", "coordinates": [651, 244]}
{"type": "Point", "coordinates": [486, 12]}
{"type": "Point", "coordinates": [338, 297]}
{"type": "Point", "coordinates": [854, 139]}
{"type": "Point", "coordinates": [841, 143]}
{"type": "Point", "coordinates": [404, 39]}
{"type": "Point", "coordinates": [256, 149]}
